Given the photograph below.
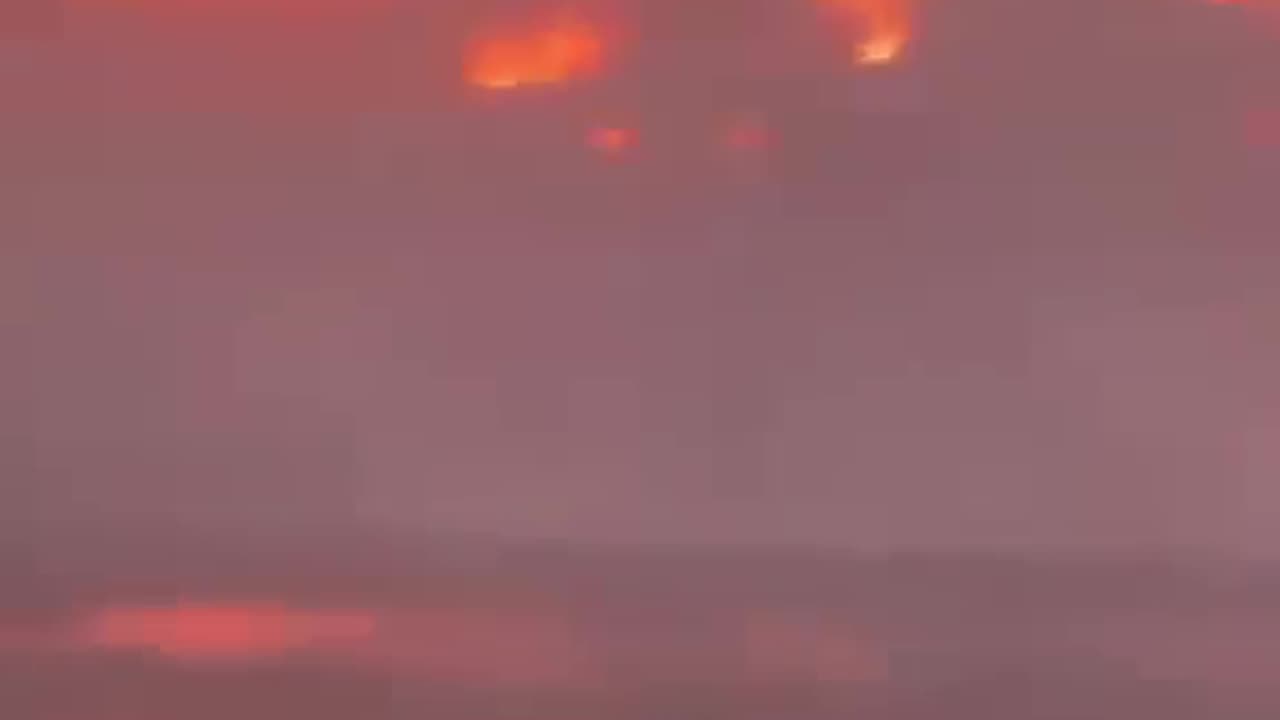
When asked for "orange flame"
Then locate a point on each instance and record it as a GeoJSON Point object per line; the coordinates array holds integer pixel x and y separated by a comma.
{"type": "Point", "coordinates": [885, 27]}
{"type": "Point", "coordinates": [562, 49]}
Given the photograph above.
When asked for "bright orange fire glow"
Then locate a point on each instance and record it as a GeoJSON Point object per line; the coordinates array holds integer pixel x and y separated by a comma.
{"type": "Point", "coordinates": [884, 27]}
{"type": "Point", "coordinates": [559, 50]}
{"type": "Point", "coordinates": [614, 141]}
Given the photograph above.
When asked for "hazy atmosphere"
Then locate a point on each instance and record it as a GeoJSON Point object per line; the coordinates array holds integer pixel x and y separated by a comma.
{"type": "Point", "coordinates": [275, 265]}
{"type": "Point", "coordinates": [635, 359]}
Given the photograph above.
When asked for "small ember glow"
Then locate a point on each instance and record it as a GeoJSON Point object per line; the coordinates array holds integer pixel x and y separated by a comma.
{"type": "Point", "coordinates": [746, 134]}
{"type": "Point", "coordinates": [611, 140]}
{"type": "Point", "coordinates": [884, 27]}
{"type": "Point", "coordinates": [880, 50]}
{"type": "Point", "coordinates": [558, 50]}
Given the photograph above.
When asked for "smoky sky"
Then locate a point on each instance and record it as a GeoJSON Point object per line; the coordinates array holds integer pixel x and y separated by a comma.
{"type": "Point", "coordinates": [276, 269]}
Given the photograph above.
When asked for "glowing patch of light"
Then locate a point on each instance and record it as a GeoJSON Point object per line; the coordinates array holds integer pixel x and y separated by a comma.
{"type": "Point", "coordinates": [197, 632]}
{"type": "Point", "coordinates": [612, 140]}
{"type": "Point", "coordinates": [883, 28]}
{"type": "Point", "coordinates": [746, 134]}
{"type": "Point", "coordinates": [558, 50]}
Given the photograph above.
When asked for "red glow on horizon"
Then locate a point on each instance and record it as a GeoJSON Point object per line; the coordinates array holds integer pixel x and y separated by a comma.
{"type": "Point", "coordinates": [524, 647]}
{"type": "Point", "coordinates": [510, 649]}
{"type": "Point", "coordinates": [196, 632]}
